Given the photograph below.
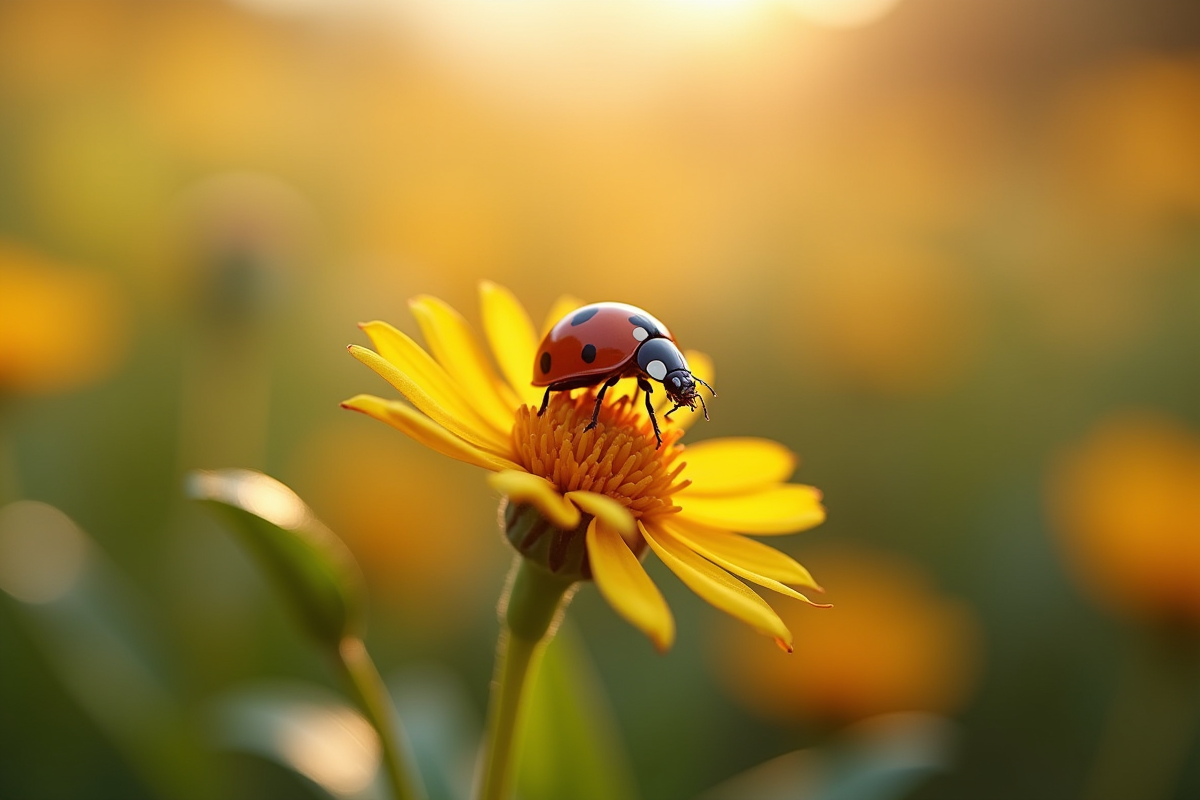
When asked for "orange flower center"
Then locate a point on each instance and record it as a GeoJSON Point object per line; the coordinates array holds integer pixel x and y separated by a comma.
{"type": "Point", "coordinates": [618, 457]}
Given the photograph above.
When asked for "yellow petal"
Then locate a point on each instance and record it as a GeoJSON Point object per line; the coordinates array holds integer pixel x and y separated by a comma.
{"type": "Point", "coordinates": [413, 423]}
{"type": "Point", "coordinates": [604, 507]}
{"type": "Point", "coordinates": [480, 435]}
{"type": "Point", "coordinates": [512, 338]}
{"type": "Point", "coordinates": [717, 586]}
{"type": "Point", "coordinates": [561, 307]}
{"type": "Point", "coordinates": [412, 360]}
{"type": "Point", "coordinates": [736, 465]}
{"type": "Point", "coordinates": [786, 508]}
{"type": "Point", "coordinates": [626, 586]}
{"type": "Point", "coordinates": [701, 366]}
{"type": "Point", "coordinates": [719, 556]}
{"type": "Point", "coordinates": [723, 546]}
{"type": "Point", "coordinates": [457, 349]}
{"type": "Point", "coordinates": [522, 487]}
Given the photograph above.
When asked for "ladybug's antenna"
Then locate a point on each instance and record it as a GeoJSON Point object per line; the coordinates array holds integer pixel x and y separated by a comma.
{"type": "Point", "coordinates": [706, 386]}
{"type": "Point", "coordinates": [701, 399]}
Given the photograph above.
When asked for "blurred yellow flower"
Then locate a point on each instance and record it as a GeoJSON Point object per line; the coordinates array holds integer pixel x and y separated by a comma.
{"type": "Point", "coordinates": [591, 502]}
{"type": "Point", "coordinates": [894, 644]}
{"type": "Point", "coordinates": [60, 328]}
{"type": "Point", "coordinates": [1125, 146]}
{"type": "Point", "coordinates": [1126, 505]}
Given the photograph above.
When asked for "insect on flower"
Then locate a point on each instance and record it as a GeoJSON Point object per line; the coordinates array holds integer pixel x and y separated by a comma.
{"type": "Point", "coordinates": [604, 342]}
{"type": "Point", "coordinates": [587, 505]}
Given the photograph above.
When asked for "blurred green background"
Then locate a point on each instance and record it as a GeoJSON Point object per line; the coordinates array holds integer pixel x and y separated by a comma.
{"type": "Point", "coordinates": [947, 252]}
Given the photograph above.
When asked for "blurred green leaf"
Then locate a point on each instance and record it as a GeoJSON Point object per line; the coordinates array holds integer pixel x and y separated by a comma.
{"type": "Point", "coordinates": [571, 746]}
{"type": "Point", "coordinates": [313, 566]}
{"type": "Point", "coordinates": [882, 758]}
{"type": "Point", "coordinates": [100, 638]}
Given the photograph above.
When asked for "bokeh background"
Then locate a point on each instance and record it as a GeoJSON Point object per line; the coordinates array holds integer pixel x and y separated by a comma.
{"type": "Point", "coordinates": [948, 252]}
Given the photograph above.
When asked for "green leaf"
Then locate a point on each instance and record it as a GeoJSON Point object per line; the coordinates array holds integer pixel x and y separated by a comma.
{"type": "Point", "coordinates": [571, 747]}
{"type": "Point", "coordinates": [98, 636]}
{"type": "Point", "coordinates": [312, 566]}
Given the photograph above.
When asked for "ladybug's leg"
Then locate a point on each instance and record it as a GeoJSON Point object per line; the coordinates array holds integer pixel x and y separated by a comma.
{"type": "Point", "coordinates": [545, 401]}
{"type": "Point", "coordinates": [600, 399]}
{"type": "Point", "coordinates": [645, 386]}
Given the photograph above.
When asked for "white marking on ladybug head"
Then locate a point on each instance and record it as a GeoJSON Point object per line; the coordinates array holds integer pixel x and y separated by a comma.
{"type": "Point", "coordinates": [640, 333]}
{"type": "Point", "coordinates": [656, 370]}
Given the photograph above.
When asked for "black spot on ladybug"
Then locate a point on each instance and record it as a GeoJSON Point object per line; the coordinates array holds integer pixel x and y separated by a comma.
{"type": "Point", "coordinates": [584, 316]}
{"type": "Point", "coordinates": [589, 353]}
{"type": "Point", "coordinates": [641, 322]}
{"type": "Point", "coordinates": [546, 362]}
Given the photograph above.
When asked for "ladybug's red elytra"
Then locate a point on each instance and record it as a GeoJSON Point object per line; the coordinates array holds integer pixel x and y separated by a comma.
{"type": "Point", "coordinates": [604, 342]}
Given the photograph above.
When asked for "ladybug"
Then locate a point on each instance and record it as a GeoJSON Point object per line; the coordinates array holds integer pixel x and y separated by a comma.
{"type": "Point", "coordinates": [604, 342]}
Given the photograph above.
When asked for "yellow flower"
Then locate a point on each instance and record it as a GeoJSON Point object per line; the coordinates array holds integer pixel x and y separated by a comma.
{"type": "Point", "coordinates": [1125, 503]}
{"type": "Point", "coordinates": [896, 644]}
{"type": "Point", "coordinates": [587, 504]}
{"type": "Point", "coordinates": [61, 327]}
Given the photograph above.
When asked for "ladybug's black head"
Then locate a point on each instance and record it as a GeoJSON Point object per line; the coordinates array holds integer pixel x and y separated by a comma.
{"type": "Point", "coordinates": [681, 390]}
{"type": "Point", "coordinates": [681, 387]}
{"type": "Point", "coordinates": [661, 360]}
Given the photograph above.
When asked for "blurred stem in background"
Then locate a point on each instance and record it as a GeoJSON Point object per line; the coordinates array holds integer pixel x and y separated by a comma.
{"type": "Point", "coordinates": [225, 400]}
{"type": "Point", "coordinates": [534, 600]}
{"type": "Point", "coordinates": [10, 485]}
{"type": "Point", "coordinates": [242, 240]}
{"type": "Point", "coordinates": [1153, 720]}
{"type": "Point", "coordinates": [232, 263]}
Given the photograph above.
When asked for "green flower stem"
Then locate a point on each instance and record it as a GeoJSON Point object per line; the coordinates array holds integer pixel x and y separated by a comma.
{"type": "Point", "coordinates": [534, 600]}
{"type": "Point", "coordinates": [373, 700]}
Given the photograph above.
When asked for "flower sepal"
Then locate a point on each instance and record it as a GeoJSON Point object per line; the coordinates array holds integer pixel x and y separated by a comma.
{"type": "Point", "coordinates": [561, 553]}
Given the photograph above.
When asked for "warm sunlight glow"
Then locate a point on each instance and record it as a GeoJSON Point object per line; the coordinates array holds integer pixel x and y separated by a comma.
{"type": "Point", "coordinates": [259, 494]}
{"type": "Point", "coordinates": [702, 5]}
{"type": "Point", "coordinates": [843, 13]}
{"type": "Point", "coordinates": [335, 747]}
{"type": "Point", "coordinates": [305, 728]}
{"type": "Point", "coordinates": [42, 552]}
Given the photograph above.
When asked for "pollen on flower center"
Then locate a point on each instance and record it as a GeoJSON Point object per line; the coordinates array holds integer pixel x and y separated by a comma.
{"type": "Point", "coordinates": [618, 457]}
